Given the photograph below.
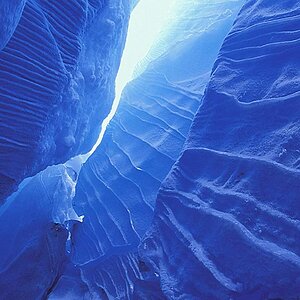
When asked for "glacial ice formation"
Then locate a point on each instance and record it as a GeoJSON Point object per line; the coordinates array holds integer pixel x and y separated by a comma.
{"type": "Point", "coordinates": [10, 14]}
{"type": "Point", "coordinates": [228, 212]}
{"type": "Point", "coordinates": [117, 186]}
{"type": "Point", "coordinates": [57, 75]}
{"type": "Point", "coordinates": [33, 245]}
{"type": "Point", "coordinates": [194, 190]}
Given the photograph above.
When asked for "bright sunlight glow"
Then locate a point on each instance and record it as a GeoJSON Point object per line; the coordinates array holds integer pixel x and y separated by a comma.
{"type": "Point", "coordinates": [146, 21]}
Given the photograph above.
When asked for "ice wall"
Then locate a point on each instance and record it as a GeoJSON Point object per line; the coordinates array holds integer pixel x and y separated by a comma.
{"type": "Point", "coordinates": [10, 14]}
{"type": "Point", "coordinates": [226, 222]}
{"type": "Point", "coordinates": [115, 190]}
{"type": "Point", "coordinates": [57, 70]}
{"type": "Point", "coordinates": [117, 186]}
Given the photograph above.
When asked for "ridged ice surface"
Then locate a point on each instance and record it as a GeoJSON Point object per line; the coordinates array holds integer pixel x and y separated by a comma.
{"type": "Point", "coordinates": [227, 223]}
{"type": "Point", "coordinates": [55, 69]}
{"type": "Point", "coordinates": [57, 73]}
{"type": "Point", "coordinates": [160, 210]}
{"type": "Point", "coordinates": [10, 13]}
{"type": "Point", "coordinates": [118, 185]}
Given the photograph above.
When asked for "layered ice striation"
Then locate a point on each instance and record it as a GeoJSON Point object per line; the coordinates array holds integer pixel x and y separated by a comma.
{"type": "Point", "coordinates": [227, 223]}
{"type": "Point", "coordinates": [118, 185]}
{"type": "Point", "coordinates": [160, 210]}
{"type": "Point", "coordinates": [58, 64]}
{"type": "Point", "coordinates": [115, 189]}
{"type": "Point", "coordinates": [10, 14]}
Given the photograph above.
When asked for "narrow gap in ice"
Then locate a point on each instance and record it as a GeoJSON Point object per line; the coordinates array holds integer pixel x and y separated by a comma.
{"type": "Point", "coordinates": [146, 21]}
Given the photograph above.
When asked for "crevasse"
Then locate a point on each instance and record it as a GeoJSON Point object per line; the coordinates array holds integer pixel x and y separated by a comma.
{"type": "Point", "coordinates": [191, 190]}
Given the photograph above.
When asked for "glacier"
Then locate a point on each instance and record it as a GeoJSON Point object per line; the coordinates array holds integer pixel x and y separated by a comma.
{"type": "Point", "coordinates": [228, 212]}
{"type": "Point", "coordinates": [58, 60]}
{"type": "Point", "coordinates": [190, 192]}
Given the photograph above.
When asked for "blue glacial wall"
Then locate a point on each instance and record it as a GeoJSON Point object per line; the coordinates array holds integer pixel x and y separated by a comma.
{"type": "Point", "coordinates": [118, 185]}
{"type": "Point", "coordinates": [227, 223]}
{"type": "Point", "coordinates": [10, 14]}
{"type": "Point", "coordinates": [194, 190]}
{"type": "Point", "coordinates": [58, 64]}
{"type": "Point", "coordinates": [33, 247]}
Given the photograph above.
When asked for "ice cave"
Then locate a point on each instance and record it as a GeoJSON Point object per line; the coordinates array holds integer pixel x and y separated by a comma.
{"type": "Point", "coordinates": [150, 149]}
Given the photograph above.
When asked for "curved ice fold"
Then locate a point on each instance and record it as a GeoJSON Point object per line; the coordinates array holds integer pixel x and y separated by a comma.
{"type": "Point", "coordinates": [230, 205]}
{"type": "Point", "coordinates": [118, 184]}
{"type": "Point", "coordinates": [59, 61]}
{"type": "Point", "coordinates": [10, 14]}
